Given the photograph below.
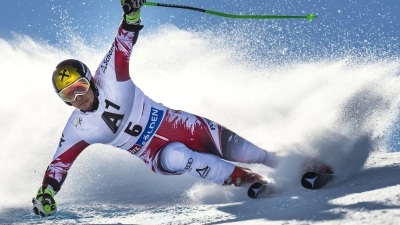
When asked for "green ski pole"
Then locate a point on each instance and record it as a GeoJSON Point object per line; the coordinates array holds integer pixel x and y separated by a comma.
{"type": "Point", "coordinates": [310, 16]}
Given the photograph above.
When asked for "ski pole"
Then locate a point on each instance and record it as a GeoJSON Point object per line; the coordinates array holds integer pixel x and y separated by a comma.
{"type": "Point", "coordinates": [310, 16]}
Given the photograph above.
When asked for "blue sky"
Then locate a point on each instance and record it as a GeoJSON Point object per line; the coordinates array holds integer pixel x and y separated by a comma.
{"type": "Point", "coordinates": [355, 26]}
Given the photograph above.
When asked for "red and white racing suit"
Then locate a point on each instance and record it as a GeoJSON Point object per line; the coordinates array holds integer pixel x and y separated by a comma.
{"type": "Point", "coordinates": [127, 119]}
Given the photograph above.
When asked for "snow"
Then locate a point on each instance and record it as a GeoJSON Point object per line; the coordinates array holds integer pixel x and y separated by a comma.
{"type": "Point", "coordinates": [371, 196]}
{"type": "Point", "coordinates": [341, 111]}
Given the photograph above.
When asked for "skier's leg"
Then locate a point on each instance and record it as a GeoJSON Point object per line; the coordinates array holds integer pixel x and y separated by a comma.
{"type": "Point", "coordinates": [176, 158]}
{"type": "Point", "coordinates": [238, 149]}
{"type": "Point", "coordinates": [206, 136]}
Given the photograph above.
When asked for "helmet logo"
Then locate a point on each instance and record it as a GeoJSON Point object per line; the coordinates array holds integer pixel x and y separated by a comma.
{"type": "Point", "coordinates": [64, 73]}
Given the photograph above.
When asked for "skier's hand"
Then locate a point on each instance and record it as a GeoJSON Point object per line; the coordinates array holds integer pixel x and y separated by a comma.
{"type": "Point", "coordinates": [131, 6]}
{"type": "Point", "coordinates": [44, 204]}
{"type": "Point", "coordinates": [132, 10]}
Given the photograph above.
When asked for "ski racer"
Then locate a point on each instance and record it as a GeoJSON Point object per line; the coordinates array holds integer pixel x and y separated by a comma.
{"type": "Point", "coordinates": [112, 110]}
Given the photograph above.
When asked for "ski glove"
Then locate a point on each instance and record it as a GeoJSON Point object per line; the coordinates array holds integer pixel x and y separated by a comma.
{"type": "Point", "coordinates": [132, 10]}
{"type": "Point", "coordinates": [131, 6]}
{"type": "Point", "coordinates": [44, 204]}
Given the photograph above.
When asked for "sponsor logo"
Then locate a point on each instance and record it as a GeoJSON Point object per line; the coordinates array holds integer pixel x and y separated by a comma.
{"type": "Point", "coordinates": [134, 149]}
{"type": "Point", "coordinates": [151, 127]}
{"type": "Point", "coordinates": [214, 131]}
{"type": "Point", "coordinates": [107, 58]}
{"type": "Point", "coordinates": [64, 74]}
{"type": "Point", "coordinates": [78, 122]}
{"type": "Point", "coordinates": [189, 164]}
{"type": "Point", "coordinates": [311, 181]}
{"type": "Point", "coordinates": [99, 82]}
{"type": "Point", "coordinates": [204, 172]}
{"type": "Point", "coordinates": [61, 141]}
{"type": "Point", "coordinates": [210, 124]}
{"type": "Point", "coordinates": [256, 190]}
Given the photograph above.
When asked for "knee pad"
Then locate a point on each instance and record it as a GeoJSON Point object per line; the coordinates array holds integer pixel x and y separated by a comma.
{"type": "Point", "coordinates": [175, 157]}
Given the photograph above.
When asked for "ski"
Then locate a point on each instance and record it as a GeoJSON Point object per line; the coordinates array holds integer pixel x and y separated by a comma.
{"type": "Point", "coordinates": [260, 190]}
{"type": "Point", "coordinates": [311, 180]}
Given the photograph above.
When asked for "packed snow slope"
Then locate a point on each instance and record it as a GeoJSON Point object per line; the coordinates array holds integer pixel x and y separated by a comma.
{"type": "Point", "coordinates": [340, 107]}
{"type": "Point", "coordinates": [369, 197]}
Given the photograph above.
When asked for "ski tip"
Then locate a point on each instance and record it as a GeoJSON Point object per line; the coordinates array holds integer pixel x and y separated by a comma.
{"type": "Point", "coordinates": [311, 180]}
{"type": "Point", "coordinates": [308, 180]}
{"type": "Point", "coordinates": [256, 189]}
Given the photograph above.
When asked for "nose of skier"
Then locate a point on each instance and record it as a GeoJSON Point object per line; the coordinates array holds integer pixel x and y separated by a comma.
{"type": "Point", "coordinates": [84, 102]}
{"type": "Point", "coordinates": [79, 98]}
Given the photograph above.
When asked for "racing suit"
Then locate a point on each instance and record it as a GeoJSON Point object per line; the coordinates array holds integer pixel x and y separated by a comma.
{"type": "Point", "coordinates": [168, 141]}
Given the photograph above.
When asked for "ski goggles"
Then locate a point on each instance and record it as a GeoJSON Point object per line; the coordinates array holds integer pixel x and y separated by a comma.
{"type": "Point", "coordinates": [79, 87]}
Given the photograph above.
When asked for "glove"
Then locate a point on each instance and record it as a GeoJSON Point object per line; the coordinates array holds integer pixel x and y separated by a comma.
{"type": "Point", "coordinates": [132, 10]}
{"type": "Point", "coordinates": [131, 6]}
{"type": "Point", "coordinates": [44, 204]}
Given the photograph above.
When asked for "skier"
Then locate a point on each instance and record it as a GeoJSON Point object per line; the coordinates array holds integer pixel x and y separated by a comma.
{"type": "Point", "coordinates": [112, 110]}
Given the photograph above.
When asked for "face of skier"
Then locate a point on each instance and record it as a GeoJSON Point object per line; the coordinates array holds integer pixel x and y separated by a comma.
{"type": "Point", "coordinates": [84, 102]}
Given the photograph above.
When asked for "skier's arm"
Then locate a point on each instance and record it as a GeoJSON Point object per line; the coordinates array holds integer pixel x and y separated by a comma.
{"type": "Point", "coordinates": [70, 146]}
{"type": "Point", "coordinates": [62, 161]}
{"type": "Point", "coordinates": [115, 64]}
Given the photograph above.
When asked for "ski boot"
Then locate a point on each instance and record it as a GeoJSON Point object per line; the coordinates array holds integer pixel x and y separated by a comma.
{"type": "Point", "coordinates": [316, 166]}
{"type": "Point", "coordinates": [242, 177]}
